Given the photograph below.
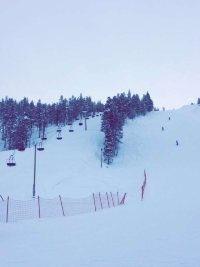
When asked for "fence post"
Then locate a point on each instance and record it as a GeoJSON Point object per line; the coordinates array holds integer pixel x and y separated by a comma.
{"type": "Point", "coordinates": [39, 205]}
{"type": "Point", "coordinates": [108, 200]}
{"type": "Point", "coordinates": [123, 199]}
{"type": "Point", "coordinates": [7, 209]}
{"type": "Point", "coordinates": [62, 205]}
{"type": "Point", "coordinates": [112, 199]}
{"type": "Point", "coordinates": [118, 198]}
{"type": "Point", "coordinates": [94, 203]}
{"type": "Point", "coordinates": [100, 200]}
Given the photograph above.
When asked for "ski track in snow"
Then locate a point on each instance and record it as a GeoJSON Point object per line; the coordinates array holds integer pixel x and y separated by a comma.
{"type": "Point", "coordinates": [160, 231]}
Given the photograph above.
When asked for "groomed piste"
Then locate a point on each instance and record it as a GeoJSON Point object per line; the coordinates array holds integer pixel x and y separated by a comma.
{"type": "Point", "coordinates": [161, 230]}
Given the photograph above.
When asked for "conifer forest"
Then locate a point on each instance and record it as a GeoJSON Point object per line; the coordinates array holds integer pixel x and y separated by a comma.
{"type": "Point", "coordinates": [19, 120]}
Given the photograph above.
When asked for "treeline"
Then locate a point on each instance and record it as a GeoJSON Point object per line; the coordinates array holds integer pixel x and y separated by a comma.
{"type": "Point", "coordinates": [18, 119]}
{"type": "Point", "coordinates": [117, 110]}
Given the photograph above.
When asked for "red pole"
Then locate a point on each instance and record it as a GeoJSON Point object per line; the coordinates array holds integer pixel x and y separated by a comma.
{"type": "Point", "coordinates": [100, 201]}
{"type": "Point", "coordinates": [145, 176]}
{"type": "Point", "coordinates": [118, 197]}
{"type": "Point", "coordinates": [108, 200]}
{"type": "Point", "coordinates": [94, 202]}
{"type": "Point", "coordinates": [142, 192]}
{"type": "Point", "coordinates": [39, 205]}
{"type": "Point", "coordinates": [123, 199]}
{"type": "Point", "coordinates": [62, 206]}
{"type": "Point", "coordinates": [112, 199]}
{"type": "Point", "coordinates": [7, 209]}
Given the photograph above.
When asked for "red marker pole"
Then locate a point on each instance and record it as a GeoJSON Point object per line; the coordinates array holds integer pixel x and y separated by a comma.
{"type": "Point", "coordinates": [62, 205]}
{"type": "Point", "coordinates": [100, 200]}
{"type": "Point", "coordinates": [112, 199]}
{"type": "Point", "coordinates": [7, 209]}
{"type": "Point", "coordinates": [39, 205]}
{"type": "Point", "coordinates": [142, 192]}
{"type": "Point", "coordinates": [108, 200]}
{"type": "Point", "coordinates": [94, 203]}
{"type": "Point", "coordinates": [118, 197]}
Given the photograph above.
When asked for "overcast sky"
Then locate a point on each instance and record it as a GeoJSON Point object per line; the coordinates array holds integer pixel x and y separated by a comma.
{"type": "Point", "coordinates": [100, 48]}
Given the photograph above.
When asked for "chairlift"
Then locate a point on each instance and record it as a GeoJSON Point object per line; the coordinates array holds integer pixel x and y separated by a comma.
{"type": "Point", "coordinates": [87, 118]}
{"type": "Point", "coordinates": [21, 146]}
{"type": "Point", "coordinates": [44, 136]}
{"type": "Point", "coordinates": [21, 149]}
{"type": "Point", "coordinates": [59, 129]}
{"type": "Point", "coordinates": [80, 123]}
{"type": "Point", "coordinates": [40, 148]}
{"type": "Point", "coordinates": [71, 129]}
{"type": "Point", "coordinates": [59, 137]}
{"type": "Point", "coordinates": [11, 161]}
{"type": "Point", "coordinates": [69, 123]}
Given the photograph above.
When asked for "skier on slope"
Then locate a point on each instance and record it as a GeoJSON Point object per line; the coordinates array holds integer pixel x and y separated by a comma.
{"type": "Point", "coordinates": [177, 142]}
{"type": "Point", "coordinates": [169, 118]}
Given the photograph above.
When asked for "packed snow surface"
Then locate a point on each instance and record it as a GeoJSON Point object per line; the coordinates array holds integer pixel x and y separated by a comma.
{"type": "Point", "coordinates": [160, 231]}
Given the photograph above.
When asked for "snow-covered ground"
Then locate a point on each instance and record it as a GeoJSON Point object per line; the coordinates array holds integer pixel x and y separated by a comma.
{"type": "Point", "coordinates": [162, 230]}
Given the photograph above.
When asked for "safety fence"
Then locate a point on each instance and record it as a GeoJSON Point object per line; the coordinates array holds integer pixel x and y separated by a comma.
{"type": "Point", "coordinates": [16, 210]}
{"type": "Point", "coordinates": [144, 184]}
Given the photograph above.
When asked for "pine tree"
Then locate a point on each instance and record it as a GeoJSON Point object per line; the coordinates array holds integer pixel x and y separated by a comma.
{"type": "Point", "coordinates": [39, 116]}
{"type": "Point", "coordinates": [108, 149]}
{"type": "Point", "coordinates": [143, 106]}
{"type": "Point", "coordinates": [11, 123]}
{"type": "Point", "coordinates": [136, 104]}
{"type": "Point", "coordinates": [149, 102]}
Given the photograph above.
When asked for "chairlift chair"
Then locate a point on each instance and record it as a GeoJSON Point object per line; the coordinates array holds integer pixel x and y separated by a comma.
{"type": "Point", "coordinates": [93, 116]}
{"type": "Point", "coordinates": [87, 118]}
{"type": "Point", "coordinates": [71, 129]}
{"type": "Point", "coordinates": [69, 123]}
{"type": "Point", "coordinates": [11, 161]}
{"type": "Point", "coordinates": [97, 115]}
{"type": "Point", "coordinates": [40, 148]}
{"type": "Point", "coordinates": [59, 129]}
{"type": "Point", "coordinates": [21, 148]}
{"type": "Point", "coordinates": [59, 137]}
{"type": "Point", "coordinates": [44, 136]}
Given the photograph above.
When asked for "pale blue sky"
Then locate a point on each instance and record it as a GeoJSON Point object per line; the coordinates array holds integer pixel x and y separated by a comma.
{"type": "Point", "coordinates": [100, 48]}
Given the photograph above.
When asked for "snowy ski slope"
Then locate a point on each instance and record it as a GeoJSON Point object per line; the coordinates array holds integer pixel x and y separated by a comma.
{"type": "Point", "coordinates": [162, 230]}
